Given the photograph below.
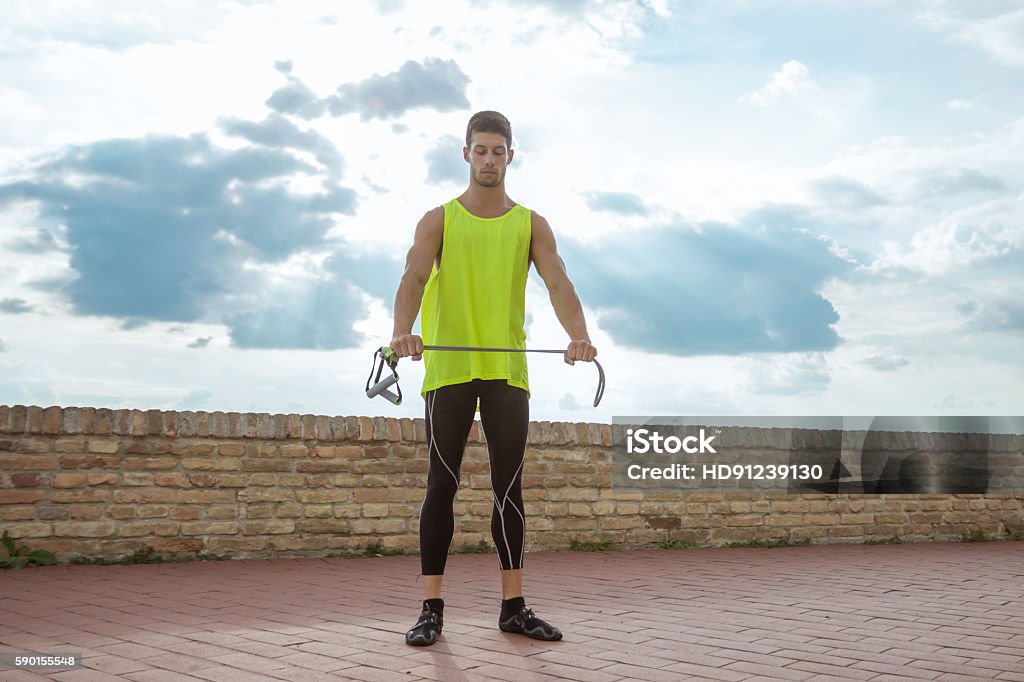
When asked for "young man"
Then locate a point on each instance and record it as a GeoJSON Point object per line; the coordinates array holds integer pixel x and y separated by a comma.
{"type": "Point", "coordinates": [467, 270]}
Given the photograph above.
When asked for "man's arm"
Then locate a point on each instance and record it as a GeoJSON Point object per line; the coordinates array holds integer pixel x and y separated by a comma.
{"type": "Point", "coordinates": [551, 268]}
{"type": "Point", "coordinates": [425, 247]}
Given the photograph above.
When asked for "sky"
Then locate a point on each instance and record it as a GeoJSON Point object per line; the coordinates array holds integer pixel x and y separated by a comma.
{"type": "Point", "coordinates": [784, 207]}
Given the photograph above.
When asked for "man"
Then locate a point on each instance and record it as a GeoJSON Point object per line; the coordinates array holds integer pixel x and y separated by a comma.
{"type": "Point", "coordinates": [466, 272]}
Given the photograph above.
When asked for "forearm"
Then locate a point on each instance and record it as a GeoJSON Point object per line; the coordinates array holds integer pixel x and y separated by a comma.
{"type": "Point", "coordinates": [569, 311]}
{"type": "Point", "coordinates": [407, 305]}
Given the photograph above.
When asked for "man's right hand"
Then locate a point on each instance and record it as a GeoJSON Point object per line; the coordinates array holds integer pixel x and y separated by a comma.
{"type": "Point", "coordinates": [408, 346]}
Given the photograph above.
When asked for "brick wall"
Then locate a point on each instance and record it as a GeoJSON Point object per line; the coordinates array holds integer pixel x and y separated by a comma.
{"type": "Point", "coordinates": [104, 483]}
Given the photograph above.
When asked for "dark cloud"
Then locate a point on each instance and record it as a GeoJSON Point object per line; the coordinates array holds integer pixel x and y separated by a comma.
{"type": "Point", "coordinates": [999, 315]}
{"type": "Point", "coordinates": [623, 203]}
{"type": "Point", "coordinates": [34, 242]}
{"type": "Point", "coordinates": [965, 180]}
{"type": "Point", "coordinates": [14, 306]}
{"type": "Point", "coordinates": [445, 162]}
{"type": "Point", "coordinates": [710, 288]}
{"type": "Point", "coordinates": [847, 193]}
{"type": "Point", "coordinates": [276, 131]}
{"type": "Point", "coordinates": [201, 342]}
{"type": "Point", "coordinates": [320, 318]}
{"type": "Point", "coordinates": [885, 363]}
{"type": "Point", "coordinates": [161, 226]}
{"type": "Point", "coordinates": [437, 84]}
{"type": "Point", "coordinates": [297, 99]}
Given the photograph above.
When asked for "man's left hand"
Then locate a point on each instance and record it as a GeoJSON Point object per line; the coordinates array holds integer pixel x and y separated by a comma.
{"type": "Point", "coordinates": [580, 349]}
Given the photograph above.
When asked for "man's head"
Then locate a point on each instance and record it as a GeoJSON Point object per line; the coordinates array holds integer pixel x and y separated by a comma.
{"type": "Point", "coordinates": [488, 147]}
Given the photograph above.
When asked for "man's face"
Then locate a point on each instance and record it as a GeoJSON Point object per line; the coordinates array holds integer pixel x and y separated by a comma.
{"type": "Point", "coordinates": [488, 156]}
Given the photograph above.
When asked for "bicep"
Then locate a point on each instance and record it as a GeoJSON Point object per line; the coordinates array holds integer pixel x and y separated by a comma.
{"type": "Point", "coordinates": [544, 253]}
{"type": "Point", "coordinates": [426, 244]}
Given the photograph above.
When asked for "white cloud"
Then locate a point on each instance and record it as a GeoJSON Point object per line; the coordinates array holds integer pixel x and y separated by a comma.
{"type": "Point", "coordinates": [960, 105]}
{"type": "Point", "coordinates": [1000, 35]}
{"type": "Point", "coordinates": [791, 80]}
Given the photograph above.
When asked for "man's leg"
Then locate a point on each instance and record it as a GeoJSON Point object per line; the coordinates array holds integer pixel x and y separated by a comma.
{"type": "Point", "coordinates": [505, 417]}
{"type": "Point", "coordinates": [449, 417]}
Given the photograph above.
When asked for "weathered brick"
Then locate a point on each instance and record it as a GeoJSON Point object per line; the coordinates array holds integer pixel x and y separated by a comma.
{"type": "Point", "coordinates": [102, 447]}
{"type": "Point", "coordinates": [84, 495]}
{"type": "Point", "coordinates": [153, 511]}
{"type": "Point", "coordinates": [210, 464]}
{"type": "Point", "coordinates": [20, 496]}
{"type": "Point", "coordinates": [75, 480]}
{"type": "Point", "coordinates": [27, 462]}
{"type": "Point", "coordinates": [52, 419]}
{"type": "Point", "coordinates": [143, 496]}
{"type": "Point", "coordinates": [326, 525]}
{"type": "Point", "coordinates": [29, 530]}
{"type": "Point", "coordinates": [25, 480]}
{"type": "Point", "coordinates": [269, 527]}
{"type": "Point", "coordinates": [231, 449]}
{"type": "Point", "coordinates": [209, 528]}
{"type": "Point", "coordinates": [176, 545]}
{"type": "Point", "coordinates": [84, 529]}
{"type": "Point", "coordinates": [137, 478]}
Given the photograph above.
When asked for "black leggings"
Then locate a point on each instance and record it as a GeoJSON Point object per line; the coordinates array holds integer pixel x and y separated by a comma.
{"type": "Point", "coordinates": [505, 417]}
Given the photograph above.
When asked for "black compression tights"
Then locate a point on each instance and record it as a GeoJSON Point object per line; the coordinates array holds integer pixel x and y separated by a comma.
{"type": "Point", "coordinates": [505, 417]}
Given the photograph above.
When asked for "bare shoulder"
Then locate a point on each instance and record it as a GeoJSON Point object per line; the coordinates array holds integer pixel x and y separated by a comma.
{"type": "Point", "coordinates": [540, 229]}
{"type": "Point", "coordinates": [537, 220]}
{"type": "Point", "coordinates": [433, 217]}
{"type": "Point", "coordinates": [432, 223]}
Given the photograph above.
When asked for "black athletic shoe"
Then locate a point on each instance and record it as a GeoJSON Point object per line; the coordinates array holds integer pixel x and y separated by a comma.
{"type": "Point", "coordinates": [427, 628]}
{"type": "Point", "coordinates": [526, 623]}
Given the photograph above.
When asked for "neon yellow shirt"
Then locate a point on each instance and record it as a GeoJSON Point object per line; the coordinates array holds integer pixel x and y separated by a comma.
{"type": "Point", "coordinates": [478, 298]}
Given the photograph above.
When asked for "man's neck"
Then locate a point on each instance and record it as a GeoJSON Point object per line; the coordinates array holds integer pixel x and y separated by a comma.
{"type": "Point", "coordinates": [486, 198]}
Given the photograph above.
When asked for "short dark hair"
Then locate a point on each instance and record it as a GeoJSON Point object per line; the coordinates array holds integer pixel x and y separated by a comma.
{"type": "Point", "coordinates": [489, 122]}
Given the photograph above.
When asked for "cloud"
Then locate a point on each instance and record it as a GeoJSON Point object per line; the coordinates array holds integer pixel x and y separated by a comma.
{"type": "Point", "coordinates": [3, 346]}
{"type": "Point", "coordinates": [14, 306]}
{"type": "Point", "coordinates": [569, 402]}
{"type": "Point", "coordinates": [278, 132]}
{"type": "Point", "coordinates": [201, 342]}
{"type": "Point", "coordinates": [168, 228]}
{"type": "Point", "coordinates": [623, 203]}
{"type": "Point", "coordinates": [445, 162]}
{"type": "Point", "coordinates": [847, 193]}
{"type": "Point", "coordinates": [297, 99]}
{"type": "Point", "coordinates": [197, 399]}
{"type": "Point", "coordinates": [1002, 36]}
{"type": "Point", "coordinates": [964, 180]}
{"type": "Point", "coordinates": [886, 363]}
{"type": "Point", "coordinates": [711, 288]}
{"type": "Point", "coordinates": [35, 241]}
{"type": "Point", "coordinates": [789, 374]}
{"type": "Point", "coordinates": [960, 105]}
{"type": "Point", "coordinates": [437, 84]}
{"type": "Point", "coordinates": [319, 318]}
{"type": "Point", "coordinates": [1000, 314]}
{"type": "Point", "coordinates": [791, 80]}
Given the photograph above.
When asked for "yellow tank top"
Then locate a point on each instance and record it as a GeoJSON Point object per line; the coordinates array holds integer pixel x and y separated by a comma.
{"type": "Point", "coordinates": [477, 298]}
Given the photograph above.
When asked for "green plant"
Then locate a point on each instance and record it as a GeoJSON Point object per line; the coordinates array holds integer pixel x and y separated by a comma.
{"type": "Point", "coordinates": [886, 541]}
{"type": "Point", "coordinates": [777, 542]}
{"type": "Point", "coordinates": [977, 535]}
{"type": "Point", "coordinates": [18, 557]}
{"type": "Point", "coordinates": [378, 549]}
{"type": "Point", "coordinates": [676, 543]}
{"type": "Point", "coordinates": [145, 555]}
{"type": "Point", "coordinates": [481, 547]}
{"type": "Point", "coordinates": [588, 546]}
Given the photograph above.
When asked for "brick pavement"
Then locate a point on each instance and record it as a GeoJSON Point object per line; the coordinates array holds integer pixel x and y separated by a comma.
{"type": "Point", "coordinates": [883, 612]}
